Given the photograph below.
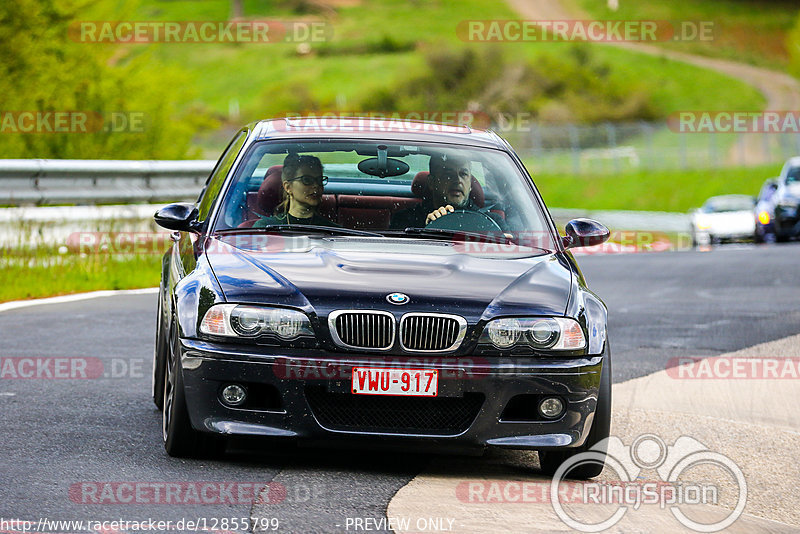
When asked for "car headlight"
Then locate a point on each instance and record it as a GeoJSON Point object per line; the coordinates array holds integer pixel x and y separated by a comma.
{"type": "Point", "coordinates": [703, 223]}
{"type": "Point", "coordinates": [504, 333]}
{"type": "Point", "coordinates": [238, 320]}
{"type": "Point", "coordinates": [553, 333]}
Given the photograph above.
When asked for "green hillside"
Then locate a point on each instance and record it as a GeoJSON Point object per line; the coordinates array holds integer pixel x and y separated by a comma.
{"type": "Point", "coordinates": [379, 47]}
{"type": "Point", "coordinates": [753, 31]}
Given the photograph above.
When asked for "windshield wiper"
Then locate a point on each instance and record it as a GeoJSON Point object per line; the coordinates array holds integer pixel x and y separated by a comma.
{"type": "Point", "coordinates": [299, 228]}
{"type": "Point", "coordinates": [460, 235]}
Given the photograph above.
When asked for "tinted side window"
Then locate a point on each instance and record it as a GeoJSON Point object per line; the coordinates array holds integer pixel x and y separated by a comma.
{"type": "Point", "coordinates": [217, 178]}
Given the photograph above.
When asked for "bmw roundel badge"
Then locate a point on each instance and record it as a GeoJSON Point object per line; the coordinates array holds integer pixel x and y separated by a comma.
{"type": "Point", "coordinates": [397, 298]}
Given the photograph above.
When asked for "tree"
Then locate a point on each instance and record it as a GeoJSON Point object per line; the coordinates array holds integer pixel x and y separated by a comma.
{"type": "Point", "coordinates": [237, 9]}
{"type": "Point", "coordinates": [44, 68]}
{"type": "Point", "coordinates": [793, 46]}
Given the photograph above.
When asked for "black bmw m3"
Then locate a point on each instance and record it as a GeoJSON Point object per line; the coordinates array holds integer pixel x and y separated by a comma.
{"type": "Point", "coordinates": [378, 283]}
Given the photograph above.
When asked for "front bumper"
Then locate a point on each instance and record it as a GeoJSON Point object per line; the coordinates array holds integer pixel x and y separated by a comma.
{"type": "Point", "coordinates": [787, 221]}
{"type": "Point", "coordinates": [290, 383]}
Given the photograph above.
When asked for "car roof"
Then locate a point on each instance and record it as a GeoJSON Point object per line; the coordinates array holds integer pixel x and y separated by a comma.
{"type": "Point", "coordinates": [793, 161]}
{"type": "Point", "coordinates": [388, 129]}
{"type": "Point", "coordinates": [732, 196]}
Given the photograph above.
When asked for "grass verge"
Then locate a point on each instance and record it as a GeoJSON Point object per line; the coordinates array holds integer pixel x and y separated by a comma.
{"type": "Point", "coordinates": [43, 272]}
{"type": "Point", "coordinates": [646, 190]}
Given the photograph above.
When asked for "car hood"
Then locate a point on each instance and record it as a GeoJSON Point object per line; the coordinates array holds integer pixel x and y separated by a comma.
{"type": "Point", "coordinates": [728, 220]}
{"type": "Point", "coordinates": [792, 191]}
{"type": "Point", "coordinates": [321, 275]}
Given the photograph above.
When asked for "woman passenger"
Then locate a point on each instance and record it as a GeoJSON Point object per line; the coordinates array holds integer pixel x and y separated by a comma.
{"type": "Point", "coordinates": [302, 183]}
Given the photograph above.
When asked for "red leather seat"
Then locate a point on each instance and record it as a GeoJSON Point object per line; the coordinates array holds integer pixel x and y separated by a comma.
{"type": "Point", "coordinates": [371, 213]}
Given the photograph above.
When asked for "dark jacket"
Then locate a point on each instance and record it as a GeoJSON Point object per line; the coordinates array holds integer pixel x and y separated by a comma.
{"type": "Point", "coordinates": [316, 219]}
{"type": "Point", "coordinates": [415, 216]}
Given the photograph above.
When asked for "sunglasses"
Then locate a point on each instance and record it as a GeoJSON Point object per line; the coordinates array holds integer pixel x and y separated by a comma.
{"type": "Point", "coordinates": [307, 179]}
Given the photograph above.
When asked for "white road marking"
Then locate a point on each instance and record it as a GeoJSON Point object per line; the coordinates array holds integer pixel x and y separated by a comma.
{"type": "Point", "coordinates": [13, 305]}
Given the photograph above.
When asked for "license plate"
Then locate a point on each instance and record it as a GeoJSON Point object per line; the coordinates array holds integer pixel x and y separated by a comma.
{"type": "Point", "coordinates": [383, 381]}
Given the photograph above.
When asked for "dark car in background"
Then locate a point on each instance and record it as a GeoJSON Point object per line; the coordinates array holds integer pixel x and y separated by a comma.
{"type": "Point", "coordinates": [476, 330]}
{"type": "Point", "coordinates": [778, 208]}
{"type": "Point", "coordinates": [765, 213]}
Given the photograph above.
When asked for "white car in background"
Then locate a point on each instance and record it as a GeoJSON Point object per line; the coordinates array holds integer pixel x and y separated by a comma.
{"type": "Point", "coordinates": [724, 218]}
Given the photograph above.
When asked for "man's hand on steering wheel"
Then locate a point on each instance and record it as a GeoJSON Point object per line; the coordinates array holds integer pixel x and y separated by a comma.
{"type": "Point", "coordinates": [441, 212]}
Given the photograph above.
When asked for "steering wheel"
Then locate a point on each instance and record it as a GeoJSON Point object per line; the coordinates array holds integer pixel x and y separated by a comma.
{"type": "Point", "coordinates": [466, 221]}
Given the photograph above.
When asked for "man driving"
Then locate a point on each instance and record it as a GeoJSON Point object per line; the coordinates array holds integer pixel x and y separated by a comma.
{"type": "Point", "coordinates": [449, 186]}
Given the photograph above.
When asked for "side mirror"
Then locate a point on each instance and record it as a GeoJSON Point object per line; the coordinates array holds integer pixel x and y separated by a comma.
{"type": "Point", "coordinates": [584, 233]}
{"type": "Point", "coordinates": [181, 216]}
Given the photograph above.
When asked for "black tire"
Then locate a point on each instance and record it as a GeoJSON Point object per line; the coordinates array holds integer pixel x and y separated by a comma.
{"type": "Point", "coordinates": [159, 359]}
{"type": "Point", "coordinates": [550, 461]}
{"type": "Point", "coordinates": [180, 439]}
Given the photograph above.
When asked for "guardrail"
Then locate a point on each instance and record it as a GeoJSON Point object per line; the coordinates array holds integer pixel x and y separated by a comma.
{"type": "Point", "coordinates": [43, 181]}
{"type": "Point", "coordinates": [29, 182]}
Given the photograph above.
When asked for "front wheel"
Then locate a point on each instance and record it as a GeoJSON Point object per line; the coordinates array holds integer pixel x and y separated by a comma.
{"type": "Point", "coordinates": [159, 357]}
{"type": "Point", "coordinates": [180, 439]}
{"type": "Point", "coordinates": [601, 428]}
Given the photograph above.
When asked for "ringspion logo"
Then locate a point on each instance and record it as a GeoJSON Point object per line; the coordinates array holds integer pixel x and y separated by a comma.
{"type": "Point", "coordinates": [670, 491]}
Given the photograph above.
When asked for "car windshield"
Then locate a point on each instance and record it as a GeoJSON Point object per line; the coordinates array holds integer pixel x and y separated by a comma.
{"type": "Point", "coordinates": [382, 188]}
{"type": "Point", "coordinates": [724, 204]}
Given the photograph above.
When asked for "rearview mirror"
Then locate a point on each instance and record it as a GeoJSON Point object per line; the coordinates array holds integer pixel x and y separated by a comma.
{"type": "Point", "coordinates": [383, 167]}
{"type": "Point", "coordinates": [584, 233]}
{"type": "Point", "coordinates": [181, 216]}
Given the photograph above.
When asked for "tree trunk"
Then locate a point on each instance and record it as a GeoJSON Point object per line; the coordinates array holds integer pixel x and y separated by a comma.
{"type": "Point", "coordinates": [237, 9]}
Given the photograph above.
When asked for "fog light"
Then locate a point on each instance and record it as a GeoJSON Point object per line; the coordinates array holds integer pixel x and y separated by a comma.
{"type": "Point", "coordinates": [233, 395]}
{"type": "Point", "coordinates": [551, 407]}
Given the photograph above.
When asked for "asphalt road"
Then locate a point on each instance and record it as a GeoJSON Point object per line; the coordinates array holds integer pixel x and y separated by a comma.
{"type": "Point", "coordinates": [64, 440]}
